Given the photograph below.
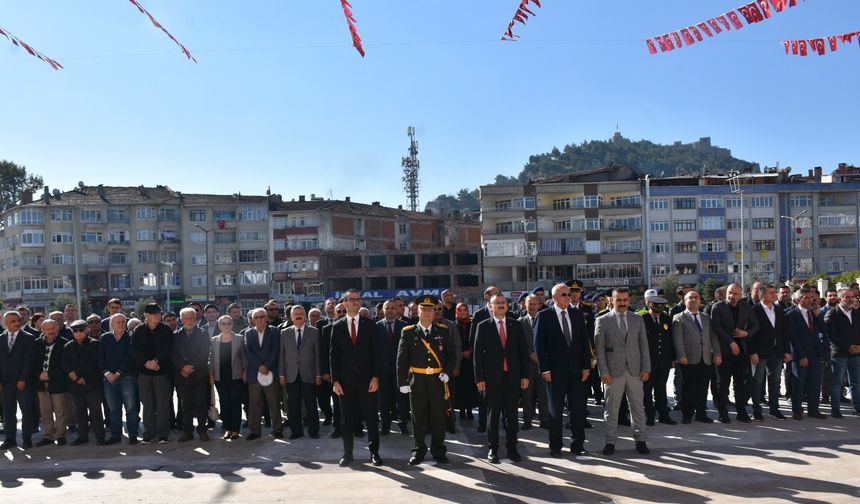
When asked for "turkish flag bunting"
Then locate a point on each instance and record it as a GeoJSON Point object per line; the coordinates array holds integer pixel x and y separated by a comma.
{"type": "Point", "coordinates": [536, 2]}
{"type": "Point", "coordinates": [695, 32]}
{"type": "Point", "coordinates": [520, 15]}
{"type": "Point", "coordinates": [687, 37]}
{"type": "Point", "coordinates": [651, 47]}
{"type": "Point", "coordinates": [765, 8]}
{"type": "Point", "coordinates": [353, 31]}
{"type": "Point", "coordinates": [163, 29]}
{"type": "Point", "coordinates": [677, 39]}
{"type": "Point", "coordinates": [526, 9]}
{"type": "Point", "coordinates": [745, 10]}
{"type": "Point", "coordinates": [755, 12]}
{"type": "Point", "coordinates": [792, 3]}
{"type": "Point", "coordinates": [794, 47]}
{"type": "Point", "coordinates": [833, 44]}
{"type": "Point", "coordinates": [704, 28]}
{"type": "Point", "coordinates": [662, 44]}
{"type": "Point", "coordinates": [803, 49]}
{"type": "Point", "coordinates": [32, 52]}
{"type": "Point", "coordinates": [818, 44]}
{"type": "Point", "coordinates": [715, 26]}
{"type": "Point", "coordinates": [778, 5]}
{"type": "Point", "coordinates": [787, 45]}
{"type": "Point", "coordinates": [735, 19]}
{"type": "Point", "coordinates": [518, 18]}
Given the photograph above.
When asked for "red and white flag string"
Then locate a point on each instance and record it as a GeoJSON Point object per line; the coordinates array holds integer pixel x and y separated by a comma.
{"type": "Point", "coordinates": [818, 46]}
{"type": "Point", "coordinates": [353, 31]}
{"type": "Point", "coordinates": [520, 16]}
{"type": "Point", "coordinates": [158, 25]}
{"type": "Point", "coordinates": [20, 43]}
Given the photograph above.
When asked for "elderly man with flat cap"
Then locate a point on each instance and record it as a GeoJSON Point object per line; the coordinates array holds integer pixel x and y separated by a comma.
{"type": "Point", "coordinates": [152, 349]}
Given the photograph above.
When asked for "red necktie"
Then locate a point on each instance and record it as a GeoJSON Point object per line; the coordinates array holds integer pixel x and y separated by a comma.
{"type": "Point", "coordinates": [352, 321]}
{"type": "Point", "coordinates": [504, 337]}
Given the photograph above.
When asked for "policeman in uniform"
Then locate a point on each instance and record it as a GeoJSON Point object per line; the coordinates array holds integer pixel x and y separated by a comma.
{"type": "Point", "coordinates": [426, 357]}
{"type": "Point", "coordinates": [658, 327]}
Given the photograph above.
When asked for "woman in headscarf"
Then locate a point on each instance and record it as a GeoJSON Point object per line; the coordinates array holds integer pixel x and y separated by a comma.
{"type": "Point", "coordinates": [466, 392]}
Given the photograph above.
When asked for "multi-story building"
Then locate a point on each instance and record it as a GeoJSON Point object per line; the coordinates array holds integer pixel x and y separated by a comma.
{"type": "Point", "coordinates": [585, 225]}
{"type": "Point", "coordinates": [323, 247]}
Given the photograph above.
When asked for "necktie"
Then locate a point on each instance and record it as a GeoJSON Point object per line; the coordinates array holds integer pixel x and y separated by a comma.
{"type": "Point", "coordinates": [622, 324]}
{"type": "Point", "coordinates": [565, 328]}
{"type": "Point", "coordinates": [391, 332]}
{"type": "Point", "coordinates": [504, 337]}
{"type": "Point", "coordinates": [696, 319]}
{"type": "Point", "coordinates": [11, 342]}
{"type": "Point", "coordinates": [299, 339]}
{"type": "Point", "coordinates": [809, 321]}
{"type": "Point", "coordinates": [353, 334]}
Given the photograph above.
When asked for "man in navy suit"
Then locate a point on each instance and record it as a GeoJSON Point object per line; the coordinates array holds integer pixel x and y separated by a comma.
{"type": "Point", "coordinates": [17, 355]}
{"type": "Point", "coordinates": [355, 371]}
{"type": "Point", "coordinates": [564, 360]}
{"type": "Point", "coordinates": [501, 372]}
{"type": "Point", "coordinates": [479, 316]}
{"type": "Point", "coordinates": [391, 402]}
{"type": "Point", "coordinates": [262, 347]}
{"type": "Point", "coordinates": [804, 327]}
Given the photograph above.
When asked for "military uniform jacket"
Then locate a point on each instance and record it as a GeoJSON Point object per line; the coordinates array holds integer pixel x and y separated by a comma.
{"type": "Point", "coordinates": [411, 352]}
{"type": "Point", "coordinates": [660, 342]}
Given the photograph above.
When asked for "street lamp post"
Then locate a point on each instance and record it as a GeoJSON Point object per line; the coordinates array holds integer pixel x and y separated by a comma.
{"type": "Point", "coordinates": [793, 230]}
{"type": "Point", "coordinates": [208, 257]}
{"type": "Point", "coordinates": [169, 279]}
{"type": "Point", "coordinates": [735, 187]}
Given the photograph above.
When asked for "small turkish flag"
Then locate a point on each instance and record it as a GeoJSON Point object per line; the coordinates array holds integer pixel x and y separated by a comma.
{"type": "Point", "coordinates": [663, 47]}
{"type": "Point", "coordinates": [792, 3]}
{"type": "Point", "coordinates": [715, 26]}
{"type": "Point", "coordinates": [819, 46]}
{"type": "Point", "coordinates": [677, 39]}
{"type": "Point", "coordinates": [799, 231]}
{"type": "Point", "coordinates": [794, 48]}
{"type": "Point", "coordinates": [745, 10]}
{"type": "Point", "coordinates": [687, 37]}
{"type": "Point", "coordinates": [755, 12]}
{"type": "Point", "coordinates": [787, 45]}
{"type": "Point", "coordinates": [735, 19]}
{"type": "Point", "coordinates": [779, 5]}
{"type": "Point", "coordinates": [833, 45]}
{"type": "Point", "coordinates": [765, 8]}
{"type": "Point", "coordinates": [704, 28]}
{"type": "Point", "coordinates": [695, 32]}
{"type": "Point", "coordinates": [651, 47]}
{"type": "Point", "coordinates": [803, 49]}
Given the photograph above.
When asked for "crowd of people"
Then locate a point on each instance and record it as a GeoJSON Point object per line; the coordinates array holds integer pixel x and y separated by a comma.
{"type": "Point", "coordinates": [430, 364]}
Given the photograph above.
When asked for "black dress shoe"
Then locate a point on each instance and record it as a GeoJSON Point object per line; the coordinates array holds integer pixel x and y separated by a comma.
{"type": "Point", "coordinates": [555, 453]}
{"type": "Point", "coordinates": [578, 452]}
{"type": "Point", "coordinates": [61, 441]}
{"type": "Point", "coordinates": [441, 459]}
{"type": "Point", "coordinates": [757, 416]}
{"type": "Point", "coordinates": [609, 449]}
{"type": "Point", "coordinates": [7, 445]}
{"type": "Point", "coordinates": [252, 436]}
{"type": "Point", "coordinates": [415, 460]}
{"type": "Point", "coordinates": [315, 435]}
{"type": "Point", "coordinates": [649, 422]}
{"type": "Point", "coordinates": [668, 420]}
{"type": "Point", "coordinates": [686, 420]}
{"type": "Point", "coordinates": [335, 434]}
{"type": "Point", "coordinates": [704, 419]}
{"type": "Point", "coordinates": [777, 414]}
{"type": "Point", "coordinates": [79, 441]}
{"type": "Point", "coordinates": [514, 455]}
{"type": "Point", "coordinates": [375, 459]}
{"type": "Point", "coordinates": [44, 442]}
{"type": "Point", "coordinates": [744, 418]}
{"type": "Point", "coordinates": [278, 435]}
{"type": "Point", "coordinates": [112, 441]}
{"type": "Point", "coordinates": [345, 460]}
{"type": "Point", "coordinates": [482, 428]}
{"type": "Point", "coordinates": [327, 421]}
{"type": "Point", "coordinates": [296, 435]}
{"type": "Point", "coordinates": [493, 456]}
{"type": "Point", "coordinates": [588, 425]}
{"type": "Point", "coordinates": [725, 419]}
{"type": "Point", "coordinates": [642, 448]}
{"type": "Point", "coordinates": [27, 443]}
{"type": "Point", "coordinates": [817, 415]}
{"type": "Point", "coordinates": [527, 425]}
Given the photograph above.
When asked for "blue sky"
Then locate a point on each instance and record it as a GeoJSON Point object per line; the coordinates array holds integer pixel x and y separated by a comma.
{"type": "Point", "coordinates": [280, 98]}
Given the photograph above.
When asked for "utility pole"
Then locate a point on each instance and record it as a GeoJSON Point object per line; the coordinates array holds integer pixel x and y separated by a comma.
{"type": "Point", "coordinates": [410, 171]}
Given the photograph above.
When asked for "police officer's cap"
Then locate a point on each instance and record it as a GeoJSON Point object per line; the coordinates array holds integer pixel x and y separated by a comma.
{"type": "Point", "coordinates": [574, 284]}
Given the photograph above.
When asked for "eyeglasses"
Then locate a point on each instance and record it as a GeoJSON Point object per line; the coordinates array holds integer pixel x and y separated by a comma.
{"type": "Point", "coordinates": [272, 308]}
{"type": "Point", "coordinates": [340, 311]}
{"type": "Point", "coordinates": [226, 323]}
{"type": "Point", "coordinates": [564, 294]}
{"type": "Point", "coordinates": [353, 299]}
{"type": "Point", "coordinates": [258, 317]}
{"type": "Point", "coordinates": [79, 329]}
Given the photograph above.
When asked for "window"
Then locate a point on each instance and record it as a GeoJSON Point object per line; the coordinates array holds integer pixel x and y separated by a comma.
{"type": "Point", "coordinates": [686, 247]}
{"type": "Point", "coordinates": [64, 283]}
{"type": "Point", "coordinates": [147, 256]}
{"type": "Point", "coordinates": [252, 256]}
{"type": "Point", "coordinates": [592, 246]}
{"type": "Point", "coordinates": [711, 203]}
{"type": "Point", "coordinates": [145, 213]}
{"type": "Point", "coordinates": [146, 234]}
{"type": "Point", "coordinates": [225, 237]}
{"type": "Point", "coordinates": [587, 224]}
{"type": "Point", "coordinates": [92, 237]}
{"type": "Point", "coordinates": [197, 215]}
{"type": "Point", "coordinates": [147, 281]}
{"type": "Point", "coordinates": [684, 225]}
{"type": "Point", "coordinates": [252, 213]}
{"type": "Point", "coordinates": [117, 215]}
{"type": "Point", "coordinates": [168, 214]}
{"type": "Point", "coordinates": [169, 256]}
{"type": "Point", "coordinates": [592, 201]}
{"type": "Point", "coordinates": [608, 271]}
{"type": "Point", "coordinates": [401, 228]}
{"type": "Point", "coordinates": [658, 204]}
{"type": "Point", "coordinates": [659, 225]}
{"type": "Point", "coordinates": [199, 281]}
{"type": "Point", "coordinates": [504, 227]}
{"type": "Point", "coordinates": [561, 204]}
{"type": "Point", "coordinates": [251, 236]}
{"type": "Point", "coordinates": [528, 202]}
{"type": "Point", "coordinates": [762, 223]}
{"type": "Point", "coordinates": [120, 281]}
{"type": "Point", "coordinates": [712, 246]}
{"type": "Point", "coordinates": [58, 259]}
{"type": "Point", "coordinates": [800, 200]}
{"type": "Point", "coordinates": [659, 248]}
{"type": "Point", "coordinates": [735, 246]}
{"type": "Point", "coordinates": [198, 237]}
{"type": "Point", "coordinates": [253, 278]}
{"type": "Point", "coordinates": [225, 256]}
{"type": "Point", "coordinates": [803, 243]}
{"type": "Point", "coordinates": [279, 244]}
{"type": "Point", "coordinates": [625, 201]}
{"type": "Point", "coordinates": [29, 260]}
{"type": "Point", "coordinates": [561, 225]}
{"type": "Point", "coordinates": [61, 215]}
{"type": "Point", "coordinates": [92, 259]}
{"type": "Point", "coordinates": [118, 236]}
{"type": "Point", "coordinates": [171, 279]}
{"type": "Point", "coordinates": [684, 203]}
{"type": "Point", "coordinates": [224, 280]}
{"type": "Point", "coordinates": [531, 225]}
{"type": "Point", "coordinates": [32, 238]}
{"type": "Point", "coordinates": [733, 224]}
{"type": "Point", "coordinates": [803, 222]}
{"type": "Point", "coordinates": [711, 223]}
{"type": "Point", "coordinates": [91, 216]}
{"type": "Point", "coordinates": [686, 269]}
{"type": "Point", "coordinates": [168, 235]}
{"type": "Point", "coordinates": [660, 269]}
{"type": "Point", "coordinates": [763, 245]}
{"type": "Point", "coordinates": [762, 201]}
{"type": "Point", "coordinates": [625, 223]}
{"type": "Point", "coordinates": [501, 206]}
{"type": "Point", "coordinates": [118, 258]}
{"type": "Point", "coordinates": [713, 267]}
{"type": "Point", "coordinates": [733, 202]}
{"type": "Point", "coordinates": [36, 283]}
{"type": "Point", "coordinates": [837, 220]}
{"type": "Point", "coordinates": [224, 215]}
{"type": "Point", "coordinates": [198, 259]}
{"type": "Point", "coordinates": [623, 246]}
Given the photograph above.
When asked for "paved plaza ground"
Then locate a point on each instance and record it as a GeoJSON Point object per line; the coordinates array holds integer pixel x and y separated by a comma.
{"type": "Point", "coordinates": [804, 461]}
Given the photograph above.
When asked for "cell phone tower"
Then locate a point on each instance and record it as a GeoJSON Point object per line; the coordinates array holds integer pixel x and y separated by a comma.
{"type": "Point", "coordinates": [410, 171]}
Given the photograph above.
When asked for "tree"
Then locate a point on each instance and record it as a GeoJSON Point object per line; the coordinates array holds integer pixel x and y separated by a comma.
{"type": "Point", "coordinates": [669, 284]}
{"type": "Point", "coordinates": [138, 308]}
{"type": "Point", "coordinates": [13, 181]}
{"type": "Point", "coordinates": [60, 302]}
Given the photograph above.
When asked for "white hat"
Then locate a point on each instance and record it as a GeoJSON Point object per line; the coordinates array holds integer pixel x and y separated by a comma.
{"type": "Point", "coordinates": [265, 380]}
{"type": "Point", "coordinates": [651, 295]}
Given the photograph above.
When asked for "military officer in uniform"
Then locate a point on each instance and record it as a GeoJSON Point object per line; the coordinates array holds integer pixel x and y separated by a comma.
{"type": "Point", "coordinates": [426, 357]}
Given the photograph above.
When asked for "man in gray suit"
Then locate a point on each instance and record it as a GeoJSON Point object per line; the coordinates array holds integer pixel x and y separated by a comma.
{"type": "Point", "coordinates": [624, 363]}
{"type": "Point", "coordinates": [299, 364]}
{"type": "Point", "coordinates": [698, 350]}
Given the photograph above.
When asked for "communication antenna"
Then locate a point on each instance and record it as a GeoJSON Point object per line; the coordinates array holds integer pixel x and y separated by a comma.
{"type": "Point", "coordinates": [410, 171]}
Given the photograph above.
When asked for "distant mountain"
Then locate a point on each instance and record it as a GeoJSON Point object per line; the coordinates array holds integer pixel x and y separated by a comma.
{"type": "Point", "coordinates": [643, 156]}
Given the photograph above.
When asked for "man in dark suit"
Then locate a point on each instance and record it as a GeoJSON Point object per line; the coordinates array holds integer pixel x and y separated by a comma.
{"type": "Point", "coordinates": [479, 316]}
{"type": "Point", "coordinates": [299, 365]}
{"type": "Point", "coordinates": [843, 329]}
{"type": "Point", "coordinates": [324, 395]}
{"type": "Point", "coordinates": [17, 354]}
{"type": "Point", "coordinates": [698, 350]}
{"type": "Point", "coordinates": [501, 371]}
{"type": "Point", "coordinates": [564, 360]}
{"type": "Point", "coordinates": [768, 350]}
{"type": "Point", "coordinates": [805, 331]}
{"type": "Point", "coordinates": [191, 373]}
{"type": "Point", "coordinates": [355, 369]}
{"type": "Point", "coordinates": [536, 391]}
{"type": "Point", "coordinates": [262, 347]}
{"type": "Point", "coordinates": [658, 327]}
{"type": "Point", "coordinates": [734, 323]}
{"type": "Point", "coordinates": [392, 403]}
{"type": "Point", "coordinates": [81, 364]}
